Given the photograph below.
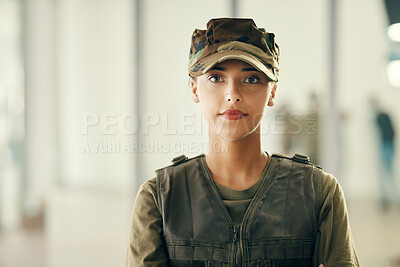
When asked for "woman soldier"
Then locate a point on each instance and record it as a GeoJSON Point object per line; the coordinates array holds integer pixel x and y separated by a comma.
{"type": "Point", "coordinates": [238, 205]}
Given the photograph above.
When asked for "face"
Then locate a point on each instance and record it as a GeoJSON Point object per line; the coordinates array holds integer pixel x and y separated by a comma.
{"type": "Point", "coordinates": [233, 97]}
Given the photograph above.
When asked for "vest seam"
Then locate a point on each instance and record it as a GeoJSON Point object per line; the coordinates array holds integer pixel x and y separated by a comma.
{"type": "Point", "coordinates": [250, 212]}
{"type": "Point", "coordinates": [214, 192]}
{"type": "Point", "coordinates": [316, 189]}
{"type": "Point", "coordinates": [264, 186]}
{"type": "Point", "coordinates": [286, 199]}
{"type": "Point", "coordinates": [190, 202]}
{"type": "Point", "coordinates": [159, 188]}
{"type": "Point", "coordinates": [318, 193]}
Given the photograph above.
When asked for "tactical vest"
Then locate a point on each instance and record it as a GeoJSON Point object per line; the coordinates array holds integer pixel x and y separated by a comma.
{"type": "Point", "coordinates": [278, 229]}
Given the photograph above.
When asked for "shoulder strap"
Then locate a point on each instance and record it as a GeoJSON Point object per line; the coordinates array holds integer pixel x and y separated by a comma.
{"type": "Point", "coordinates": [317, 174]}
{"type": "Point", "coordinates": [301, 158]}
{"type": "Point", "coordinates": [162, 173]}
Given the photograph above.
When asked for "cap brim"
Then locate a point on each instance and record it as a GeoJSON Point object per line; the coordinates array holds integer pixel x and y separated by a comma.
{"type": "Point", "coordinates": [222, 56]}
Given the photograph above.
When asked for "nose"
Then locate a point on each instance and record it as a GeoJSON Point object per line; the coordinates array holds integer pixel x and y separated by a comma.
{"type": "Point", "coordinates": [233, 93]}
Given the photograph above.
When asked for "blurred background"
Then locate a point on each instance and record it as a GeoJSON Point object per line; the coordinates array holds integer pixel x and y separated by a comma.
{"type": "Point", "coordinates": [94, 97]}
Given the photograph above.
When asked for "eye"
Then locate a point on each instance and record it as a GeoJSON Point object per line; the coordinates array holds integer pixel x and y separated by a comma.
{"type": "Point", "coordinates": [215, 78]}
{"type": "Point", "coordinates": [252, 80]}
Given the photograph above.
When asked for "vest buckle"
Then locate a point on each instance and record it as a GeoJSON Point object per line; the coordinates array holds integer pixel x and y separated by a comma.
{"type": "Point", "coordinates": [179, 159]}
{"type": "Point", "coordinates": [301, 158]}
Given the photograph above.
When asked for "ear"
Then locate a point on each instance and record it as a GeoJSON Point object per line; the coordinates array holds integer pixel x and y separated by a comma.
{"type": "Point", "coordinates": [271, 100]}
{"type": "Point", "coordinates": [193, 86]}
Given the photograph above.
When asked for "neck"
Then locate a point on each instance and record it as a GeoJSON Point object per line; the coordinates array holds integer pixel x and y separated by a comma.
{"type": "Point", "coordinates": [236, 164]}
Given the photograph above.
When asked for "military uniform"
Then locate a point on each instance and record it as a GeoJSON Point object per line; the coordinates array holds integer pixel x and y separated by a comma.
{"type": "Point", "coordinates": [296, 216]}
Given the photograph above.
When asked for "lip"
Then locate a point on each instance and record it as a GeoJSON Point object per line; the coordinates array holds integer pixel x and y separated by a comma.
{"type": "Point", "coordinates": [233, 114]}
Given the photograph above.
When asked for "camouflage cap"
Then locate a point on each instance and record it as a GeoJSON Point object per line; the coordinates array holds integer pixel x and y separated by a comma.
{"type": "Point", "coordinates": [232, 38]}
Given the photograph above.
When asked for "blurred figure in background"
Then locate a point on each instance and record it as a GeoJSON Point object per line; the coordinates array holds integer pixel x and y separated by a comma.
{"type": "Point", "coordinates": [386, 155]}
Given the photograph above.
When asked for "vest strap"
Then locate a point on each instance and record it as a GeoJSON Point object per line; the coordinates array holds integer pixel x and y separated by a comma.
{"type": "Point", "coordinates": [184, 252]}
{"type": "Point", "coordinates": [281, 251]}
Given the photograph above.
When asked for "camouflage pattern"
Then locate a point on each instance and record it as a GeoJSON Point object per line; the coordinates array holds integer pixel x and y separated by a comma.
{"type": "Point", "coordinates": [232, 38]}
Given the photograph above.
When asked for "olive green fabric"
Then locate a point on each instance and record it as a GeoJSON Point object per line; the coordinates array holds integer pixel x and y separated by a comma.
{"type": "Point", "coordinates": [334, 243]}
{"type": "Point", "coordinates": [279, 226]}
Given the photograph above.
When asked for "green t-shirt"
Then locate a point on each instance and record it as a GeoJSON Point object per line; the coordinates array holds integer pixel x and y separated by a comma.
{"type": "Point", "coordinates": [334, 244]}
{"type": "Point", "coordinates": [236, 202]}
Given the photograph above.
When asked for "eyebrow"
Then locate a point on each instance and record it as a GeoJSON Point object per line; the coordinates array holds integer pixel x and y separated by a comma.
{"type": "Point", "coordinates": [249, 69]}
{"type": "Point", "coordinates": [218, 68]}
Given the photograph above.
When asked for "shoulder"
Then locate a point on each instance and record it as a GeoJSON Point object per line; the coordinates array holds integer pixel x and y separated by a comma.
{"type": "Point", "coordinates": [329, 192]}
{"type": "Point", "coordinates": [297, 161]}
{"type": "Point", "coordinates": [325, 182]}
{"type": "Point", "coordinates": [181, 169]}
{"type": "Point", "coordinates": [181, 161]}
{"type": "Point", "coordinates": [146, 199]}
{"type": "Point", "coordinates": [148, 186]}
{"type": "Point", "coordinates": [332, 194]}
{"type": "Point", "coordinates": [147, 191]}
